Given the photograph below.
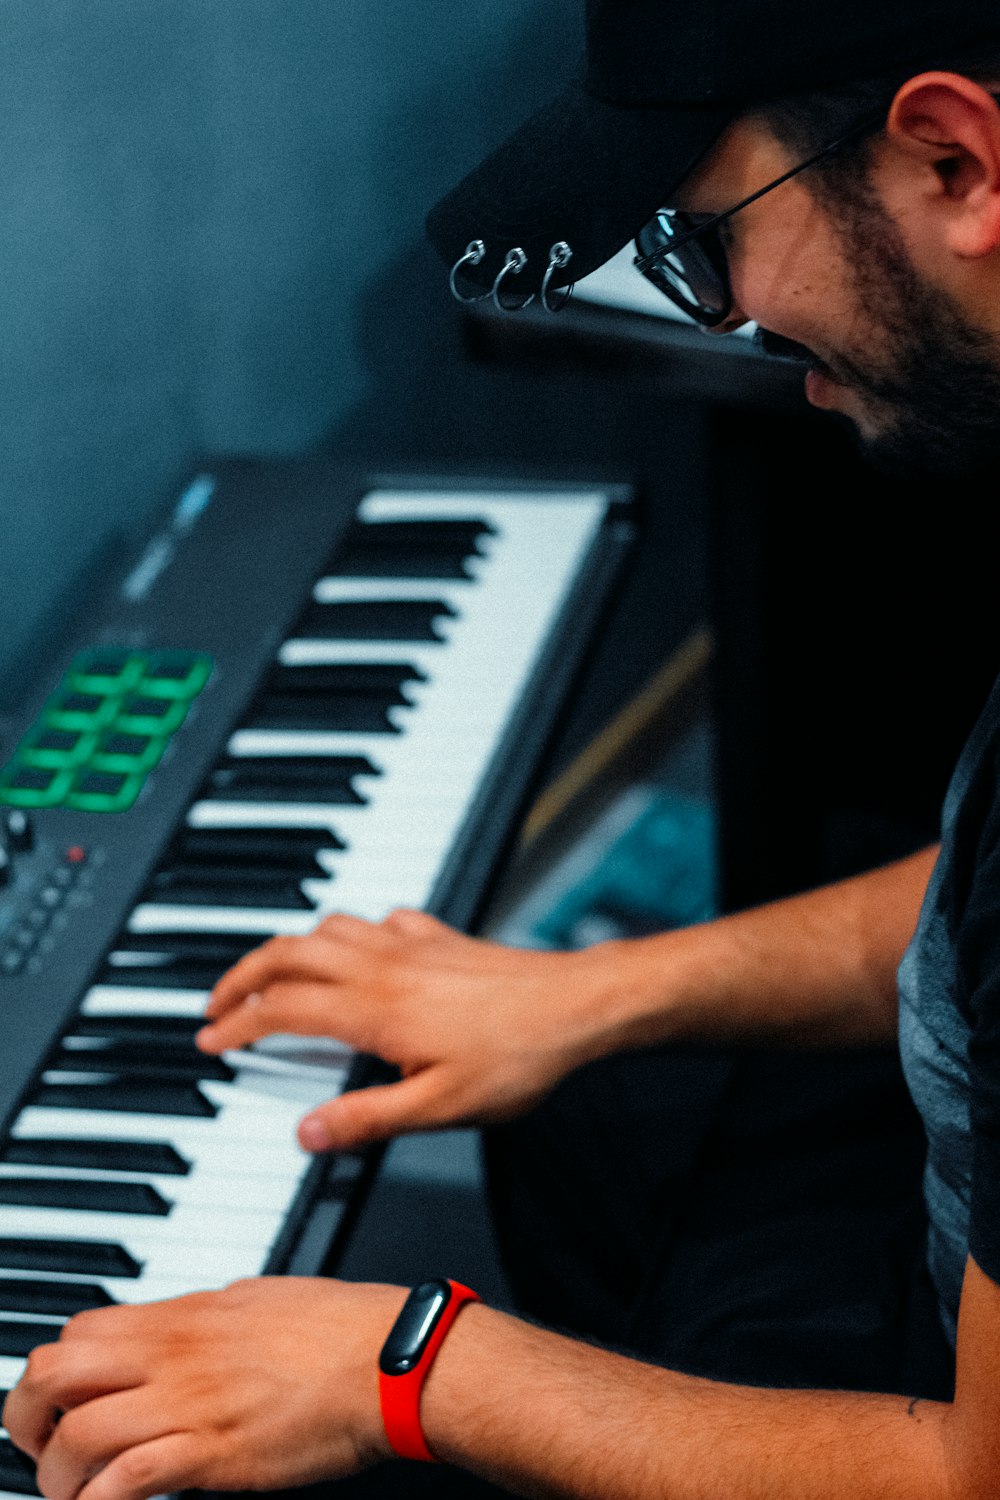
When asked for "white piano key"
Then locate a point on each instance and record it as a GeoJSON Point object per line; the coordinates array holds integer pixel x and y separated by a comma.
{"type": "Point", "coordinates": [11, 1370]}
{"type": "Point", "coordinates": [140, 1000]}
{"type": "Point", "coordinates": [186, 1225]}
{"type": "Point", "coordinates": [469, 504]}
{"type": "Point", "coordinates": [336, 589]}
{"type": "Point", "coordinates": [322, 651]}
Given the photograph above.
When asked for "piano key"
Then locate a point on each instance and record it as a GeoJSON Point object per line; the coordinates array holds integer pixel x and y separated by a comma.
{"type": "Point", "coordinates": [138, 1000]}
{"type": "Point", "coordinates": [145, 1030]}
{"type": "Point", "coordinates": [321, 778]}
{"type": "Point", "coordinates": [393, 619]}
{"type": "Point", "coordinates": [189, 1230]}
{"type": "Point", "coordinates": [123, 1097]}
{"type": "Point", "coordinates": [250, 1191]}
{"type": "Point", "coordinates": [294, 848]}
{"type": "Point", "coordinates": [364, 677]}
{"type": "Point", "coordinates": [227, 873]}
{"type": "Point", "coordinates": [345, 714]}
{"type": "Point", "coordinates": [182, 888]}
{"type": "Point", "coordinates": [411, 549]}
{"type": "Point", "coordinates": [85, 1193]}
{"type": "Point", "coordinates": [17, 1471]}
{"type": "Point", "coordinates": [75, 1256]}
{"type": "Point", "coordinates": [56, 1298]}
{"type": "Point", "coordinates": [159, 1060]}
{"type": "Point", "coordinates": [18, 1338]}
{"type": "Point", "coordinates": [151, 1157]}
{"type": "Point", "coordinates": [129, 949]}
{"type": "Point", "coordinates": [384, 598]}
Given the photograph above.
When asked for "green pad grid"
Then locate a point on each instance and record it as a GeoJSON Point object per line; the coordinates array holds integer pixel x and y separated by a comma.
{"type": "Point", "coordinates": [104, 729]}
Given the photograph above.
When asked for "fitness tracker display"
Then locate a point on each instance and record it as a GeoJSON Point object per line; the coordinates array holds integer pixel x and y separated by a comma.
{"type": "Point", "coordinates": [408, 1354]}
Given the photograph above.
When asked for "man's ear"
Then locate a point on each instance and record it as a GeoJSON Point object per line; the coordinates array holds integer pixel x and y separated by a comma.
{"type": "Point", "coordinates": [949, 129]}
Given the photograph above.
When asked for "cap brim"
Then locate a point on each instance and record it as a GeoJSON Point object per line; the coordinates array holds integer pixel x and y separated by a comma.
{"type": "Point", "coordinates": [581, 170]}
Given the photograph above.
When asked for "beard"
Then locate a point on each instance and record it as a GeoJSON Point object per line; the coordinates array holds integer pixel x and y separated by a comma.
{"type": "Point", "coordinates": [931, 392]}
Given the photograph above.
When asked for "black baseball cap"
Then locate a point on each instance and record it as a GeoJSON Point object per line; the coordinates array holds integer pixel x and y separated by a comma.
{"type": "Point", "coordinates": [660, 81]}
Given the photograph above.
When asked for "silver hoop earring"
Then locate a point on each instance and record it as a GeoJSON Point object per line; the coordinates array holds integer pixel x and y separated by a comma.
{"type": "Point", "coordinates": [512, 266]}
{"type": "Point", "coordinates": [559, 256]}
{"type": "Point", "coordinates": [474, 252]}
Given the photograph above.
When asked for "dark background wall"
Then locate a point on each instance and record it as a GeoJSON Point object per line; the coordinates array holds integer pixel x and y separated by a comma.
{"type": "Point", "coordinates": [201, 200]}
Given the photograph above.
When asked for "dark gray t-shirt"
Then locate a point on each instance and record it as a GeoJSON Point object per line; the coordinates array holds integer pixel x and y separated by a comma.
{"type": "Point", "coordinates": [949, 1022]}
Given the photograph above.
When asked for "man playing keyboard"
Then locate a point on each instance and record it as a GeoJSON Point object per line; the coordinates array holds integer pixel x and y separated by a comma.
{"type": "Point", "coordinates": [835, 176]}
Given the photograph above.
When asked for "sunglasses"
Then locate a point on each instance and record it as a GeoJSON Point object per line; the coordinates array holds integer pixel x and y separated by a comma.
{"type": "Point", "coordinates": [684, 256]}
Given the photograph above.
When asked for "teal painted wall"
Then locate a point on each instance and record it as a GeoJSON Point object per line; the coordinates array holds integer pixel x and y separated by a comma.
{"type": "Point", "coordinates": [196, 198]}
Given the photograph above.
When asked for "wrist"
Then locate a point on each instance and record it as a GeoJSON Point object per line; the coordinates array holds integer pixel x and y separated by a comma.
{"type": "Point", "coordinates": [649, 989]}
{"type": "Point", "coordinates": [408, 1356]}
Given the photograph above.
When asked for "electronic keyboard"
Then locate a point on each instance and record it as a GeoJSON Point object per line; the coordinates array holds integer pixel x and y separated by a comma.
{"type": "Point", "coordinates": [312, 692]}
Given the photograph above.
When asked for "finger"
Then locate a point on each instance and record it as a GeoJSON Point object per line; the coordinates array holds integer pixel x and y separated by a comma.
{"type": "Point", "coordinates": [90, 1435]}
{"type": "Point", "coordinates": [420, 1102]}
{"type": "Point", "coordinates": [306, 1008]}
{"type": "Point", "coordinates": [60, 1376]}
{"type": "Point", "coordinates": [408, 922]}
{"type": "Point", "coordinates": [344, 927]}
{"type": "Point", "coordinates": [162, 1466]}
{"type": "Point", "coordinates": [307, 958]}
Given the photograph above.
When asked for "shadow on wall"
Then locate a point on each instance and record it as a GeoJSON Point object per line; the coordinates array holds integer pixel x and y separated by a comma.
{"type": "Point", "coordinates": [196, 195]}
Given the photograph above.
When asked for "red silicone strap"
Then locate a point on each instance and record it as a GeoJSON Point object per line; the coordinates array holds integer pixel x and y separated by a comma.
{"type": "Point", "coordinates": [400, 1394]}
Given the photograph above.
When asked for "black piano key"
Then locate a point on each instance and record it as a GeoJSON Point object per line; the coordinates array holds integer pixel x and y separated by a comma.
{"type": "Point", "coordinates": [17, 1339]}
{"type": "Point", "coordinates": [74, 1257]}
{"type": "Point", "coordinates": [208, 947]}
{"type": "Point", "coordinates": [149, 1031]}
{"type": "Point", "coordinates": [185, 888]}
{"type": "Point", "coordinates": [344, 677]}
{"type": "Point", "coordinates": [96, 1196]}
{"type": "Point", "coordinates": [378, 563]}
{"type": "Point", "coordinates": [142, 1098]}
{"type": "Point", "coordinates": [97, 1155]}
{"type": "Point", "coordinates": [165, 1061]}
{"type": "Point", "coordinates": [171, 975]}
{"type": "Point", "coordinates": [349, 713]}
{"type": "Point", "coordinates": [213, 865]}
{"type": "Point", "coordinates": [374, 620]}
{"type": "Point", "coordinates": [60, 1299]}
{"type": "Point", "coordinates": [174, 960]}
{"type": "Point", "coordinates": [435, 548]}
{"type": "Point", "coordinates": [17, 1470]}
{"type": "Point", "coordinates": [327, 779]}
{"type": "Point", "coordinates": [286, 849]}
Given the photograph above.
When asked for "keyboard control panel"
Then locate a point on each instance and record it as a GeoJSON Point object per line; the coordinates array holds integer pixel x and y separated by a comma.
{"type": "Point", "coordinates": [104, 729]}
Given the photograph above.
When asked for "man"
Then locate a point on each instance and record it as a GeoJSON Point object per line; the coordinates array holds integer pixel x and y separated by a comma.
{"type": "Point", "coordinates": [880, 265]}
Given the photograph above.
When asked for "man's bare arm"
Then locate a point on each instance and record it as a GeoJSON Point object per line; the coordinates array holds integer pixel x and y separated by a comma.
{"type": "Point", "coordinates": [481, 1032]}
{"type": "Point", "coordinates": [817, 969]}
{"type": "Point", "coordinates": [272, 1383]}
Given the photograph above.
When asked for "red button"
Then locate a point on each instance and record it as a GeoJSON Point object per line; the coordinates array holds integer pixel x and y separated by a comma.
{"type": "Point", "coordinates": [76, 854]}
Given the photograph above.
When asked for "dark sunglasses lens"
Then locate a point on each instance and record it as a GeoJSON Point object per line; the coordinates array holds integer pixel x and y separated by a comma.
{"type": "Point", "coordinates": [693, 276]}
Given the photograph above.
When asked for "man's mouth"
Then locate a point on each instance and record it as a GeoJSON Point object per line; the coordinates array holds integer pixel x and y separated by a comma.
{"type": "Point", "coordinates": [821, 382]}
{"type": "Point", "coordinates": [776, 346]}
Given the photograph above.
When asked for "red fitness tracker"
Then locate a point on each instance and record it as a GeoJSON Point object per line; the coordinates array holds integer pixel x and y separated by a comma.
{"type": "Point", "coordinates": [408, 1354]}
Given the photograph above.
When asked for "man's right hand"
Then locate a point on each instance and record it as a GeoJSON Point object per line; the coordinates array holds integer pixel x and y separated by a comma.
{"type": "Point", "coordinates": [479, 1032]}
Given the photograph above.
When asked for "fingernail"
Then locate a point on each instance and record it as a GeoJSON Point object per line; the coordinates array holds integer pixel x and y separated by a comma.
{"type": "Point", "coordinates": [314, 1135]}
{"type": "Point", "coordinates": [204, 1036]}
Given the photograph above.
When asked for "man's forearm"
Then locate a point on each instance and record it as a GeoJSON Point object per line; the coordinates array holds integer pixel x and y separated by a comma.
{"type": "Point", "coordinates": [545, 1415]}
{"type": "Point", "coordinates": [814, 970]}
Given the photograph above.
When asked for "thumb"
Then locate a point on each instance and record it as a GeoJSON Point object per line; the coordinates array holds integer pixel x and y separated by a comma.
{"type": "Point", "coordinates": [375, 1114]}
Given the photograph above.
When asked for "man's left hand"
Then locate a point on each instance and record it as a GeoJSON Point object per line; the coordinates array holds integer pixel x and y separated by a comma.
{"type": "Point", "coordinates": [266, 1384]}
